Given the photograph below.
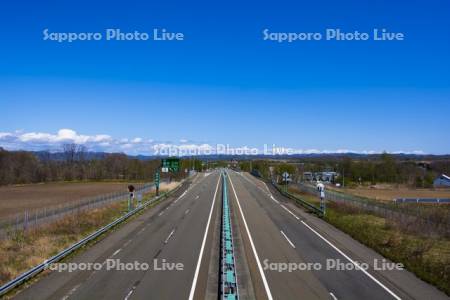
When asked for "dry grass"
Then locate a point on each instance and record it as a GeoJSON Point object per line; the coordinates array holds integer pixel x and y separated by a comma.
{"type": "Point", "coordinates": [168, 186]}
{"type": "Point", "coordinates": [20, 251]}
{"type": "Point", "coordinates": [384, 193]}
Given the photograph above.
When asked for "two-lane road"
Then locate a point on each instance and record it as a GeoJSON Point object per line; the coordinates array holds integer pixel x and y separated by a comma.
{"type": "Point", "coordinates": [171, 232]}
{"type": "Point", "coordinates": [283, 233]}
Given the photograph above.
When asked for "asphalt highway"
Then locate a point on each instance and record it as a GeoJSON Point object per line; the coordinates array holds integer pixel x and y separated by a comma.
{"type": "Point", "coordinates": [178, 239]}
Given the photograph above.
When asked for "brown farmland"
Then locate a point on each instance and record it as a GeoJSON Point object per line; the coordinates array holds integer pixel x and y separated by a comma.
{"type": "Point", "coordinates": [16, 199]}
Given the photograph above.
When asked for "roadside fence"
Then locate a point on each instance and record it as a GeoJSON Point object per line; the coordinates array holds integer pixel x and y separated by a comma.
{"type": "Point", "coordinates": [32, 218]}
{"type": "Point", "coordinates": [432, 219]}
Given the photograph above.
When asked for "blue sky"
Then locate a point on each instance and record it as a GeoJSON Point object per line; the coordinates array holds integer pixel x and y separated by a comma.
{"type": "Point", "coordinates": [224, 83]}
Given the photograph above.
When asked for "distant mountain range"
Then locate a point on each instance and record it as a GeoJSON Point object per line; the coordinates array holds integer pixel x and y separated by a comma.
{"type": "Point", "coordinates": [214, 157]}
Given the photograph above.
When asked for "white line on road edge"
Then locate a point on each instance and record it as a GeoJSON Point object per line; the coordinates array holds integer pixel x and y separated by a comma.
{"type": "Point", "coordinates": [276, 201]}
{"type": "Point", "coordinates": [266, 285]}
{"type": "Point", "coordinates": [170, 235]}
{"type": "Point", "coordinates": [286, 209]}
{"type": "Point", "coordinates": [117, 252]}
{"type": "Point", "coordinates": [353, 262]}
{"type": "Point", "coordinates": [333, 296]}
{"type": "Point", "coordinates": [268, 194]}
{"type": "Point", "coordinates": [184, 193]}
{"type": "Point", "coordinates": [197, 269]}
{"type": "Point", "coordinates": [285, 236]}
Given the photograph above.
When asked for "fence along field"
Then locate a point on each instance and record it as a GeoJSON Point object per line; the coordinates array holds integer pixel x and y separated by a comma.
{"type": "Point", "coordinates": [426, 218]}
{"type": "Point", "coordinates": [26, 206]}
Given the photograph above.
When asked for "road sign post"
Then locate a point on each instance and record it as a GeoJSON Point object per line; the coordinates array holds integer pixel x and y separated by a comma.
{"type": "Point", "coordinates": [321, 189]}
{"type": "Point", "coordinates": [139, 199]}
{"type": "Point", "coordinates": [131, 198]}
{"type": "Point", "coordinates": [157, 179]}
{"type": "Point", "coordinates": [171, 165]}
{"type": "Point", "coordinates": [286, 181]}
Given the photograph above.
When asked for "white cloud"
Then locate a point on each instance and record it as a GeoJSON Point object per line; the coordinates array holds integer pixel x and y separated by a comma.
{"type": "Point", "coordinates": [5, 134]}
{"type": "Point", "coordinates": [20, 140]}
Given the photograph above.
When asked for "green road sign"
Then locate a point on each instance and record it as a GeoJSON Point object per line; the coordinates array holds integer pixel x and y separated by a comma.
{"type": "Point", "coordinates": [172, 164]}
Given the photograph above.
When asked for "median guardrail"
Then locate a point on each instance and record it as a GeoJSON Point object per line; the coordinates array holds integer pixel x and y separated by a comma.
{"type": "Point", "coordinates": [43, 266]}
{"type": "Point", "coordinates": [229, 289]}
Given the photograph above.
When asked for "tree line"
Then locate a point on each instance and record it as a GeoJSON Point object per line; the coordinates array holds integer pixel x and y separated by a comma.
{"type": "Point", "coordinates": [384, 168]}
{"type": "Point", "coordinates": [74, 163]}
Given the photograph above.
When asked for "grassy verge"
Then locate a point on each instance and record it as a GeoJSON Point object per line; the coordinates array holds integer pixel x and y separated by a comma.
{"type": "Point", "coordinates": [20, 251]}
{"type": "Point", "coordinates": [426, 256]}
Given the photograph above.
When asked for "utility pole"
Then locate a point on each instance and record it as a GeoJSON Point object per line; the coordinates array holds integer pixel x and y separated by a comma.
{"type": "Point", "coordinates": [343, 177]}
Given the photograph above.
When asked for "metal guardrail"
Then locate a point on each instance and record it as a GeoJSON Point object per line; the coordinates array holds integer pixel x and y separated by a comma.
{"type": "Point", "coordinates": [43, 266]}
{"type": "Point", "coordinates": [422, 200]}
{"type": "Point", "coordinates": [302, 202]}
{"type": "Point", "coordinates": [228, 276]}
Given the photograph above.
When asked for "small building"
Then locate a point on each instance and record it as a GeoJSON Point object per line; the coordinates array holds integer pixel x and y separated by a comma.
{"type": "Point", "coordinates": [307, 176]}
{"type": "Point", "coordinates": [442, 181]}
{"type": "Point", "coordinates": [326, 177]}
{"type": "Point", "coordinates": [329, 176]}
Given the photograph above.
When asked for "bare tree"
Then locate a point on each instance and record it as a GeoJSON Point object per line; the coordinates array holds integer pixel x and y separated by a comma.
{"type": "Point", "coordinates": [70, 151]}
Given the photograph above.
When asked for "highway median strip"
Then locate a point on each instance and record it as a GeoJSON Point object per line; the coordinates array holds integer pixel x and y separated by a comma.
{"type": "Point", "coordinates": [228, 276]}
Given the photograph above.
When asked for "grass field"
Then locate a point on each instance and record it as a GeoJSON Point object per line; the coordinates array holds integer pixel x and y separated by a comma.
{"type": "Point", "coordinates": [388, 194]}
{"type": "Point", "coordinates": [18, 198]}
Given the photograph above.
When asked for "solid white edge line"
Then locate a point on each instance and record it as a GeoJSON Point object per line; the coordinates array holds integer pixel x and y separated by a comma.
{"type": "Point", "coordinates": [197, 269]}
{"type": "Point", "coordinates": [286, 209]}
{"type": "Point", "coordinates": [261, 271]}
{"type": "Point", "coordinates": [275, 200]}
{"type": "Point", "coordinates": [285, 236]}
{"type": "Point", "coordinates": [353, 262]}
{"type": "Point", "coordinates": [333, 296]}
